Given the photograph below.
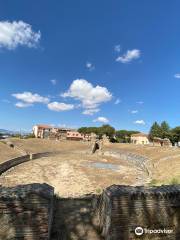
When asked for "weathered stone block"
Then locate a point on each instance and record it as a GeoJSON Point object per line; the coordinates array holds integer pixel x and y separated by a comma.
{"type": "Point", "coordinates": [123, 208]}
{"type": "Point", "coordinates": [26, 212]}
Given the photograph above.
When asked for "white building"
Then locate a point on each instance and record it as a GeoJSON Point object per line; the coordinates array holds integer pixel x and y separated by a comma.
{"type": "Point", "coordinates": [140, 138]}
{"type": "Point", "coordinates": [41, 130]}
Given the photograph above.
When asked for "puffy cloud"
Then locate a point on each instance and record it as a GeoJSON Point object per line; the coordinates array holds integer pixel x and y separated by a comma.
{"type": "Point", "coordinates": [129, 56]}
{"type": "Point", "coordinates": [23, 104]}
{"type": "Point", "coordinates": [117, 48]}
{"type": "Point", "coordinates": [14, 34]}
{"type": "Point", "coordinates": [140, 122]}
{"type": "Point", "coordinates": [90, 111]}
{"type": "Point", "coordinates": [90, 97]}
{"type": "Point", "coordinates": [58, 106]}
{"type": "Point", "coordinates": [117, 101]}
{"type": "Point", "coordinates": [90, 66]}
{"type": "Point", "coordinates": [53, 81]}
{"type": "Point", "coordinates": [177, 75]}
{"type": "Point", "coordinates": [134, 111]}
{"type": "Point", "coordinates": [29, 97]}
{"type": "Point", "coordinates": [101, 119]}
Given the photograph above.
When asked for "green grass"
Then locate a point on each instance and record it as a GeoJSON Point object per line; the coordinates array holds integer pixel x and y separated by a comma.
{"type": "Point", "coordinates": [172, 181]}
{"type": "Point", "coordinates": [154, 182]}
{"type": "Point", "coordinates": [175, 180]}
{"type": "Point", "coordinates": [99, 190]}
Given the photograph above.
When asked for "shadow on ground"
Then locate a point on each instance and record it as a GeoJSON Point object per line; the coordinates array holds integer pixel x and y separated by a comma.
{"type": "Point", "coordinates": [74, 219]}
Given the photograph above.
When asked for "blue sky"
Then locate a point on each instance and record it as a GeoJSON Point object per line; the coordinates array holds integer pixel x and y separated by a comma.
{"type": "Point", "coordinates": [83, 63]}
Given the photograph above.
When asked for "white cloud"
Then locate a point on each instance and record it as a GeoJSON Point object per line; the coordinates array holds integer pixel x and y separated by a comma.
{"type": "Point", "coordinates": [90, 66]}
{"type": "Point", "coordinates": [14, 34]}
{"type": "Point", "coordinates": [134, 111]}
{"type": "Point", "coordinates": [29, 97]}
{"type": "Point", "coordinates": [117, 48]}
{"type": "Point", "coordinates": [23, 104]}
{"type": "Point", "coordinates": [101, 119]}
{"type": "Point", "coordinates": [53, 81]}
{"type": "Point", "coordinates": [129, 56]}
{"type": "Point", "coordinates": [140, 102]}
{"type": "Point", "coordinates": [141, 122]}
{"type": "Point", "coordinates": [90, 97]}
{"type": "Point", "coordinates": [117, 101]}
{"type": "Point", "coordinates": [90, 111]}
{"type": "Point", "coordinates": [177, 75]}
{"type": "Point", "coordinates": [58, 106]}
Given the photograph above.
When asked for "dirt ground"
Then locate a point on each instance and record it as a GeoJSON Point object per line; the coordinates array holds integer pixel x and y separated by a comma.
{"type": "Point", "coordinates": [7, 152]}
{"type": "Point", "coordinates": [72, 170]}
{"type": "Point", "coordinates": [75, 219]}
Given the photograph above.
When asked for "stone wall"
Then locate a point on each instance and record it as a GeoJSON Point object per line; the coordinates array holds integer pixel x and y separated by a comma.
{"type": "Point", "coordinates": [18, 160]}
{"type": "Point", "coordinates": [137, 160]}
{"type": "Point", "coordinates": [143, 163]}
{"type": "Point", "coordinates": [13, 162]}
{"type": "Point", "coordinates": [26, 212]}
{"type": "Point", "coordinates": [123, 208]}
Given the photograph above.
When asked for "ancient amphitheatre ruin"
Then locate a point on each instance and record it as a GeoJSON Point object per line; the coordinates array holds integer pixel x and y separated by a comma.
{"type": "Point", "coordinates": [72, 169]}
{"type": "Point", "coordinates": [77, 174]}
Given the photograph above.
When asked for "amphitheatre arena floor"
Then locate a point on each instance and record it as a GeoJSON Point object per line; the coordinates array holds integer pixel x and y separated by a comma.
{"type": "Point", "coordinates": [73, 171]}
{"type": "Point", "coordinates": [69, 168]}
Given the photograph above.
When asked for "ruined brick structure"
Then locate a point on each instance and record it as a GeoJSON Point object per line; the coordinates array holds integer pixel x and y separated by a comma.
{"type": "Point", "coordinates": [26, 212]}
{"type": "Point", "coordinates": [123, 208]}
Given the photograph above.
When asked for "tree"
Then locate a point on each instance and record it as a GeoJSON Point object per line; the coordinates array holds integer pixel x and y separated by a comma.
{"type": "Point", "coordinates": [106, 129]}
{"type": "Point", "coordinates": [82, 130]}
{"type": "Point", "coordinates": [155, 131]}
{"type": "Point", "coordinates": [124, 136]}
{"type": "Point", "coordinates": [165, 130]}
{"type": "Point", "coordinates": [175, 135]}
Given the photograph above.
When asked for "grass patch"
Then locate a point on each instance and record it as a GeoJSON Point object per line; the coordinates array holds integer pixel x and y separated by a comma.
{"type": "Point", "coordinates": [172, 181]}
{"type": "Point", "coordinates": [153, 182]}
{"type": "Point", "coordinates": [175, 180]}
{"type": "Point", "coordinates": [99, 191]}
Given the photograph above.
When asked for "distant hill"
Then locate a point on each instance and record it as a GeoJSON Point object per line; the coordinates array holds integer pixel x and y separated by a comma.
{"type": "Point", "coordinates": [10, 132]}
{"type": "Point", "coordinates": [4, 131]}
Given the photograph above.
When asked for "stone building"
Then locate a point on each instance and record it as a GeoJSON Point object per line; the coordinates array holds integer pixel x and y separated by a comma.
{"type": "Point", "coordinates": [161, 142]}
{"type": "Point", "coordinates": [47, 131]}
{"type": "Point", "coordinates": [74, 135]}
{"type": "Point", "coordinates": [42, 130]}
{"type": "Point", "coordinates": [140, 138]}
